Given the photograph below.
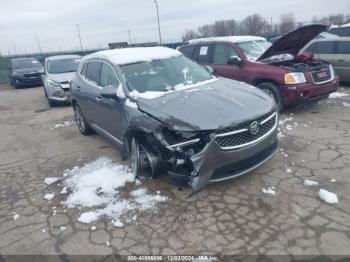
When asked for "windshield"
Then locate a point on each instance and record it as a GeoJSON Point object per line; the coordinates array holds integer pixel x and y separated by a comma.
{"type": "Point", "coordinates": [164, 74]}
{"type": "Point", "coordinates": [254, 49]}
{"type": "Point", "coordinates": [63, 65]}
{"type": "Point", "coordinates": [25, 63]}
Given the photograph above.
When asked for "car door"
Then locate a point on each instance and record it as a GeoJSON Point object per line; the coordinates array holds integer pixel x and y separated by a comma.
{"type": "Point", "coordinates": [109, 111]}
{"type": "Point", "coordinates": [342, 60]}
{"type": "Point", "coordinates": [90, 90]}
{"type": "Point", "coordinates": [222, 53]}
{"type": "Point", "coordinates": [203, 54]}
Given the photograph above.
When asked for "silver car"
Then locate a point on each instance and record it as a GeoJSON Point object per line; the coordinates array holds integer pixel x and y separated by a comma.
{"type": "Point", "coordinates": [336, 51]}
{"type": "Point", "coordinates": [59, 71]}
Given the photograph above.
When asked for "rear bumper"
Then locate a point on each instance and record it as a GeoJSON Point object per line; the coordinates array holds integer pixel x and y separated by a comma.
{"type": "Point", "coordinates": [214, 164]}
{"type": "Point", "coordinates": [308, 92]}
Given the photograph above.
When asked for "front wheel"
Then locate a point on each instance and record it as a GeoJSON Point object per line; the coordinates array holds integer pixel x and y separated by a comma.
{"type": "Point", "coordinates": [80, 119]}
{"type": "Point", "coordinates": [272, 90]}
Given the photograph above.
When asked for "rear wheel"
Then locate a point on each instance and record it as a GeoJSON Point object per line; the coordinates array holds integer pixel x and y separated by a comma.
{"type": "Point", "coordinates": [80, 119]}
{"type": "Point", "coordinates": [272, 90]}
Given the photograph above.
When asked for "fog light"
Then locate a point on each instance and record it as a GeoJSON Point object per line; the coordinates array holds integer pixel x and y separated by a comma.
{"type": "Point", "coordinates": [58, 93]}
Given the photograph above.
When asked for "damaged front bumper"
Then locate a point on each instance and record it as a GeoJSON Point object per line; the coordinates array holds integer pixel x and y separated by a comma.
{"type": "Point", "coordinates": [214, 164]}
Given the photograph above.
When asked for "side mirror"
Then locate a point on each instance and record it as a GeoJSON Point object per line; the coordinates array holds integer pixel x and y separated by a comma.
{"type": "Point", "coordinates": [235, 60]}
{"type": "Point", "coordinates": [109, 92]}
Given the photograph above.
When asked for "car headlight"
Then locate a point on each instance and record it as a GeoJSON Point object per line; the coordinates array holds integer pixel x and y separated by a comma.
{"type": "Point", "coordinates": [52, 83]}
{"type": "Point", "coordinates": [294, 78]}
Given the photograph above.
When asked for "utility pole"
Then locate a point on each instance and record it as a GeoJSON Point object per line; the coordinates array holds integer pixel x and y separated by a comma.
{"type": "Point", "coordinates": [129, 37]}
{"type": "Point", "coordinates": [14, 48]}
{"type": "Point", "coordinates": [160, 36]}
{"type": "Point", "coordinates": [81, 44]}
{"type": "Point", "coordinates": [38, 41]}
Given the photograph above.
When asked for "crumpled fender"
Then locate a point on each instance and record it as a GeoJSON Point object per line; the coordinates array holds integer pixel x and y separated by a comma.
{"type": "Point", "coordinates": [204, 164]}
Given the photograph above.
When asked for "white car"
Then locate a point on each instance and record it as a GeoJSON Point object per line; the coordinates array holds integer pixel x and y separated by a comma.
{"type": "Point", "coordinates": [58, 72]}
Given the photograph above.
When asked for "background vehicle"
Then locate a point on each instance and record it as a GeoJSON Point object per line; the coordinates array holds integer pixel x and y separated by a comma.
{"type": "Point", "coordinates": [25, 72]}
{"type": "Point", "coordinates": [136, 97]}
{"type": "Point", "coordinates": [342, 30]}
{"type": "Point", "coordinates": [335, 51]}
{"type": "Point", "coordinates": [276, 68]}
{"type": "Point", "coordinates": [59, 71]}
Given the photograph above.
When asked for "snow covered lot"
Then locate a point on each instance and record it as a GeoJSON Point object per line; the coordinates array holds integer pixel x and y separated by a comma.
{"type": "Point", "coordinates": [298, 203]}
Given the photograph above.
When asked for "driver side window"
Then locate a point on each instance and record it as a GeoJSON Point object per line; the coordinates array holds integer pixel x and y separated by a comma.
{"type": "Point", "coordinates": [223, 53]}
{"type": "Point", "coordinates": [108, 76]}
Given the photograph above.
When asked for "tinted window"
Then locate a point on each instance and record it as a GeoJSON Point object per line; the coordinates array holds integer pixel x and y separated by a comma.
{"type": "Point", "coordinates": [83, 71]}
{"type": "Point", "coordinates": [344, 47]}
{"type": "Point", "coordinates": [324, 47]}
{"type": "Point", "coordinates": [188, 50]}
{"type": "Point", "coordinates": [25, 63]}
{"type": "Point", "coordinates": [345, 31]}
{"type": "Point", "coordinates": [108, 76]}
{"type": "Point", "coordinates": [63, 65]}
{"type": "Point", "coordinates": [93, 72]}
{"type": "Point", "coordinates": [311, 48]}
{"type": "Point", "coordinates": [204, 54]}
{"type": "Point", "coordinates": [222, 54]}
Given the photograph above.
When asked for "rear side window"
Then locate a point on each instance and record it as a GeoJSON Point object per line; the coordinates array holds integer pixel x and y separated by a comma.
{"type": "Point", "coordinates": [222, 53]}
{"type": "Point", "coordinates": [322, 47]}
{"type": "Point", "coordinates": [93, 72]}
{"type": "Point", "coordinates": [343, 47]}
{"type": "Point", "coordinates": [108, 76]}
{"type": "Point", "coordinates": [344, 31]}
{"type": "Point", "coordinates": [188, 50]}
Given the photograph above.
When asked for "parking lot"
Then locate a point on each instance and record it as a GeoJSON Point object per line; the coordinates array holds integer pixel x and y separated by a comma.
{"type": "Point", "coordinates": [233, 217]}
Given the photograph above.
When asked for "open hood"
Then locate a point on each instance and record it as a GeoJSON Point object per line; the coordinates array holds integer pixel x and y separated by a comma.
{"type": "Point", "coordinates": [292, 42]}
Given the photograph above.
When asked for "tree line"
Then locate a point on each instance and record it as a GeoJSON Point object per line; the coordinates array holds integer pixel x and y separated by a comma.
{"type": "Point", "coordinates": [255, 24]}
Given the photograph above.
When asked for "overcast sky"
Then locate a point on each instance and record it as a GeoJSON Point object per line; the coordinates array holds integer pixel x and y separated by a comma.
{"type": "Point", "coordinates": [104, 21]}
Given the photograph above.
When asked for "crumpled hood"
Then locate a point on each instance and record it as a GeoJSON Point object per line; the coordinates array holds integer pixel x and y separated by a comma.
{"type": "Point", "coordinates": [209, 106]}
{"type": "Point", "coordinates": [63, 78]}
{"type": "Point", "coordinates": [292, 42]}
{"type": "Point", "coordinates": [28, 70]}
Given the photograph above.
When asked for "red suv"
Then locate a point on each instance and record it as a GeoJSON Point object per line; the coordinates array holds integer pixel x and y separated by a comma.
{"type": "Point", "coordinates": [277, 69]}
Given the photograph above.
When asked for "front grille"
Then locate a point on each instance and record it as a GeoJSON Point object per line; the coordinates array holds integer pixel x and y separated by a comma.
{"type": "Point", "coordinates": [32, 75]}
{"type": "Point", "coordinates": [322, 75]}
{"type": "Point", "coordinates": [242, 135]}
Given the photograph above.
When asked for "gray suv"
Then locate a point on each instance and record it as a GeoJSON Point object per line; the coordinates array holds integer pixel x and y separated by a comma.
{"type": "Point", "coordinates": [170, 115]}
{"type": "Point", "coordinates": [336, 51]}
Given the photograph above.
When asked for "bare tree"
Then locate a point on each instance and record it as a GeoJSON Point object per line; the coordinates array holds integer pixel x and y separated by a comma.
{"type": "Point", "coordinates": [337, 19]}
{"type": "Point", "coordinates": [189, 34]}
{"type": "Point", "coordinates": [231, 27]}
{"type": "Point", "coordinates": [219, 28]}
{"type": "Point", "coordinates": [287, 23]}
{"type": "Point", "coordinates": [254, 25]}
{"type": "Point", "coordinates": [205, 30]}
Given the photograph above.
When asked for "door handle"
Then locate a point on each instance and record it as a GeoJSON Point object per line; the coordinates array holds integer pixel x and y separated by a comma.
{"type": "Point", "coordinates": [98, 99]}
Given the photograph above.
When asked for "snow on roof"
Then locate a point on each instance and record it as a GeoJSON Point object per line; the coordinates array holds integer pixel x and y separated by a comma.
{"type": "Point", "coordinates": [232, 39]}
{"type": "Point", "coordinates": [135, 54]}
{"type": "Point", "coordinates": [339, 26]}
{"type": "Point", "coordinates": [59, 57]}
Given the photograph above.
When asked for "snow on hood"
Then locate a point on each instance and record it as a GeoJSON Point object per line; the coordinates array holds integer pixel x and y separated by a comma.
{"type": "Point", "coordinates": [208, 107]}
{"type": "Point", "coordinates": [135, 54]}
{"type": "Point", "coordinates": [292, 42]}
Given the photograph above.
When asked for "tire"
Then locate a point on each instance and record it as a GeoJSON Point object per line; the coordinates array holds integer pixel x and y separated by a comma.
{"type": "Point", "coordinates": [273, 90]}
{"type": "Point", "coordinates": [80, 119]}
{"type": "Point", "coordinates": [135, 162]}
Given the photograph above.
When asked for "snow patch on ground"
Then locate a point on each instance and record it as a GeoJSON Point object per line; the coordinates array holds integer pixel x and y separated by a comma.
{"type": "Point", "coordinates": [337, 95]}
{"type": "Point", "coordinates": [15, 217]}
{"type": "Point", "coordinates": [269, 190]}
{"type": "Point", "coordinates": [49, 196]}
{"type": "Point", "coordinates": [63, 124]}
{"type": "Point", "coordinates": [97, 185]}
{"type": "Point", "coordinates": [51, 180]}
{"type": "Point", "coordinates": [310, 183]}
{"type": "Point", "coordinates": [328, 197]}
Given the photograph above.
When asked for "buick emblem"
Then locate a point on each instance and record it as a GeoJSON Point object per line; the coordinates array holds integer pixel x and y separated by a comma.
{"type": "Point", "coordinates": [254, 128]}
